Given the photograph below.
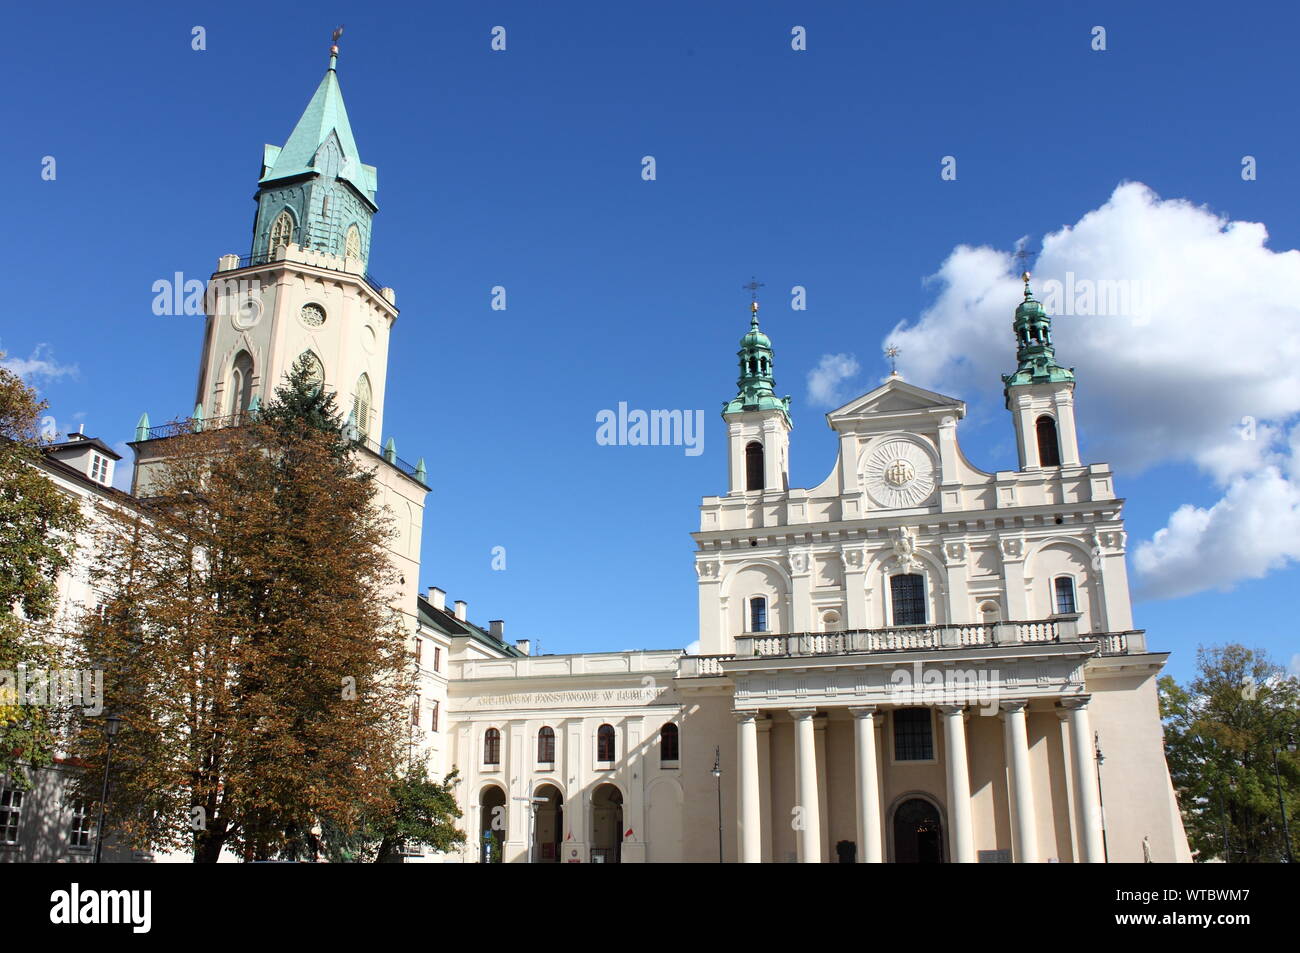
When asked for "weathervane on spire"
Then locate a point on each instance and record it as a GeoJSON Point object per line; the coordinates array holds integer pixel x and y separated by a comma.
{"type": "Point", "coordinates": [752, 288]}
{"type": "Point", "coordinates": [892, 352]}
{"type": "Point", "coordinates": [334, 44]}
{"type": "Point", "coordinates": [1023, 257]}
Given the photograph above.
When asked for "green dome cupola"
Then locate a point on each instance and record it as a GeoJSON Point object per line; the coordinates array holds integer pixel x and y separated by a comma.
{"type": "Point", "coordinates": [756, 384]}
{"type": "Point", "coordinates": [1034, 350]}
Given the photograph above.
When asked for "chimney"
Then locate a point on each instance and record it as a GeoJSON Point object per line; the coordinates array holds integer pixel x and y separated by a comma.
{"type": "Point", "coordinates": [498, 629]}
{"type": "Point", "coordinates": [437, 598]}
{"type": "Point", "coordinates": [524, 645]}
{"type": "Point", "coordinates": [461, 606]}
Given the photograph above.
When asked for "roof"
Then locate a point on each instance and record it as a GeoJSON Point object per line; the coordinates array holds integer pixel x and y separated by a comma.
{"type": "Point", "coordinates": [77, 442]}
{"type": "Point", "coordinates": [324, 116]}
{"type": "Point", "coordinates": [447, 623]}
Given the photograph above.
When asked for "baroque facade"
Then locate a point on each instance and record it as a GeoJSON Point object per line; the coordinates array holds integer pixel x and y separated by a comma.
{"type": "Point", "coordinates": [914, 661]}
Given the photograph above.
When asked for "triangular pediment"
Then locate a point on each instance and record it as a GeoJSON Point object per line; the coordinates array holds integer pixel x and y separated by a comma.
{"type": "Point", "coordinates": [896, 397]}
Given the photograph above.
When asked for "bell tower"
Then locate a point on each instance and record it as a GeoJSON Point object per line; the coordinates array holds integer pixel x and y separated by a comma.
{"type": "Point", "coordinates": [303, 290]}
{"type": "Point", "coordinates": [758, 422]}
{"type": "Point", "coordinates": [1040, 394]}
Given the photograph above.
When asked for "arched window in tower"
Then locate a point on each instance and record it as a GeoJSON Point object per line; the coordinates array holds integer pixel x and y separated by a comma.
{"type": "Point", "coordinates": [281, 232]}
{"type": "Point", "coordinates": [361, 406]}
{"type": "Point", "coordinates": [754, 466]}
{"type": "Point", "coordinates": [315, 369]}
{"type": "Point", "coordinates": [605, 743]}
{"type": "Point", "coordinates": [241, 384]}
{"type": "Point", "coordinates": [907, 598]}
{"type": "Point", "coordinates": [352, 243]}
{"type": "Point", "coordinates": [1063, 590]}
{"type": "Point", "coordinates": [546, 745]}
{"type": "Point", "coordinates": [492, 746]}
{"type": "Point", "coordinates": [1049, 449]}
{"type": "Point", "coordinates": [669, 743]}
{"type": "Point", "coordinates": [758, 614]}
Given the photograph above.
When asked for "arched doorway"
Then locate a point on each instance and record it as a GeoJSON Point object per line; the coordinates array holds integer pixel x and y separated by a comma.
{"type": "Point", "coordinates": [491, 824]}
{"type": "Point", "coordinates": [548, 825]}
{"type": "Point", "coordinates": [918, 833]}
{"type": "Point", "coordinates": [606, 824]}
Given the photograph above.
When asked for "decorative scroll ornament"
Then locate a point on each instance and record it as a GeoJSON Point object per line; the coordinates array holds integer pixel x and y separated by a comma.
{"type": "Point", "coordinates": [904, 549]}
{"type": "Point", "coordinates": [899, 474]}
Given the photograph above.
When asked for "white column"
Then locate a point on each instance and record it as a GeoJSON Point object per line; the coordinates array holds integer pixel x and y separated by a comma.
{"type": "Point", "coordinates": [765, 785]}
{"type": "Point", "coordinates": [1022, 789]}
{"type": "Point", "coordinates": [809, 836]}
{"type": "Point", "coordinates": [750, 823]}
{"type": "Point", "coordinates": [868, 789]}
{"type": "Point", "coordinates": [1084, 755]}
{"type": "Point", "coordinates": [959, 812]}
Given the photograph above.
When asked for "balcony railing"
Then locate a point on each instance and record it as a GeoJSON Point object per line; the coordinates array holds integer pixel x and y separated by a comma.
{"type": "Point", "coordinates": [1064, 629]}
{"type": "Point", "coordinates": [250, 261]}
{"type": "Point", "coordinates": [191, 425]}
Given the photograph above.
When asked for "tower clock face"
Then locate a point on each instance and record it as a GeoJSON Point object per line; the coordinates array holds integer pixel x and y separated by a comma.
{"type": "Point", "coordinates": [899, 474]}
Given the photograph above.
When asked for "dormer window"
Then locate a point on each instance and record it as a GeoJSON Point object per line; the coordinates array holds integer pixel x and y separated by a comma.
{"type": "Point", "coordinates": [100, 468]}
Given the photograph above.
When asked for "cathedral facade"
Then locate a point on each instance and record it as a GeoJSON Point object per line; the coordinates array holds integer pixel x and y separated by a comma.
{"type": "Point", "coordinates": [914, 661]}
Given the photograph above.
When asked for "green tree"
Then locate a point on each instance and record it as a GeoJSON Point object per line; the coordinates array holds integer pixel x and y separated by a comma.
{"type": "Point", "coordinates": [1221, 732]}
{"type": "Point", "coordinates": [251, 646]}
{"type": "Point", "coordinates": [38, 529]}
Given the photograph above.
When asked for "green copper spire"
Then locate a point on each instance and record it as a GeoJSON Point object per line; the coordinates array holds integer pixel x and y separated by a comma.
{"type": "Point", "coordinates": [1034, 350]}
{"type": "Point", "coordinates": [756, 383]}
{"type": "Point", "coordinates": [314, 190]}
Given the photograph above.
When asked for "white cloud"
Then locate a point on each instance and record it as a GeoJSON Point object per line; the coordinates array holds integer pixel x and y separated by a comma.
{"type": "Point", "coordinates": [1294, 667]}
{"type": "Point", "coordinates": [37, 367]}
{"type": "Point", "coordinates": [1195, 359]}
{"type": "Point", "coordinates": [825, 380]}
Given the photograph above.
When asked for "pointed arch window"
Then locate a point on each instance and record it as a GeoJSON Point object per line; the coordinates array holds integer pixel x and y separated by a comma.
{"type": "Point", "coordinates": [605, 747]}
{"type": "Point", "coordinates": [758, 614]}
{"type": "Point", "coordinates": [669, 743]}
{"type": "Point", "coordinates": [754, 466]}
{"type": "Point", "coordinates": [315, 369]}
{"type": "Point", "coordinates": [352, 242]}
{"type": "Point", "coordinates": [362, 406]}
{"type": "Point", "coordinates": [281, 232]}
{"type": "Point", "coordinates": [492, 746]}
{"type": "Point", "coordinates": [546, 745]}
{"type": "Point", "coordinates": [1049, 447]}
{"type": "Point", "coordinates": [1063, 590]}
{"type": "Point", "coordinates": [907, 598]}
{"type": "Point", "coordinates": [241, 384]}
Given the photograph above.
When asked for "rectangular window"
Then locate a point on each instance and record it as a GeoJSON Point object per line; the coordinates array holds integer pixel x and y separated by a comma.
{"type": "Point", "coordinates": [913, 740]}
{"type": "Point", "coordinates": [415, 713]}
{"type": "Point", "coordinates": [1065, 596]}
{"type": "Point", "coordinates": [433, 721]}
{"type": "Point", "coordinates": [79, 832]}
{"type": "Point", "coordinates": [907, 597]}
{"type": "Point", "coordinates": [11, 810]}
{"type": "Point", "coordinates": [98, 468]}
{"type": "Point", "coordinates": [437, 658]}
{"type": "Point", "coordinates": [758, 614]}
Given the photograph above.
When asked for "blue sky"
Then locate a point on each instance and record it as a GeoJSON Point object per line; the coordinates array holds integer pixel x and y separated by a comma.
{"type": "Point", "coordinates": [522, 168]}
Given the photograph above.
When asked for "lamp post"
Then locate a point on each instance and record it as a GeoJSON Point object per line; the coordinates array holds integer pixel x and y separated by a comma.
{"type": "Point", "coordinates": [532, 822]}
{"type": "Point", "coordinates": [110, 727]}
{"type": "Point", "coordinates": [1101, 804]}
{"type": "Point", "coordinates": [1290, 745]}
{"type": "Point", "coordinates": [717, 776]}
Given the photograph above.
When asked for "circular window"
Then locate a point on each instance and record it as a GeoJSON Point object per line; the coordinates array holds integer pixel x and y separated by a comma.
{"type": "Point", "coordinates": [313, 315]}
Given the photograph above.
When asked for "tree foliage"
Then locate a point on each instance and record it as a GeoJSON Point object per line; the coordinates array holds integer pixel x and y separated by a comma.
{"type": "Point", "coordinates": [251, 647]}
{"type": "Point", "coordinates": [38, 528]}
{"type": "Point", "coordinates": [1221, 732]}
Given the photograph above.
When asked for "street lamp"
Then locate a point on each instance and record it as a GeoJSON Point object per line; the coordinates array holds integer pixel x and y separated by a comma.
{"type": "Point", "coordinates": [532, 822]}
{"type": "Point", "coordinates": [111, 724]}
{"type": "Point", "coordinates": [1290, 745]}
{"type": "Point", "coordinates": [717, 776]}
{"type": "Point", "coordinates": [1101, 804]}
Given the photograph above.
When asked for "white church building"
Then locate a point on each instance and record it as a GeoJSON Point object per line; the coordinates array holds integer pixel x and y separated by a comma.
{"type": "Point", "coordinates": [914, 661]}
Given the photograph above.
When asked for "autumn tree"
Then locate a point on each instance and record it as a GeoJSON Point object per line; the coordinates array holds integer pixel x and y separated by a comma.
{"type": "Point", "coordinates": [250, 646]}
{"type": "Point", "coordinates": [38, 527]}
{"type": "Point", "coordinates": [1221, 733]}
